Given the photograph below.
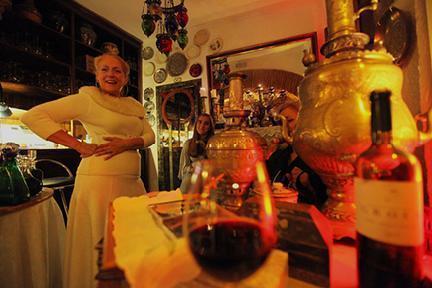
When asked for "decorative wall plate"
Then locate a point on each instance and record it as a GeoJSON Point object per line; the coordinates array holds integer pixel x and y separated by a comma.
{"type": "Point", "coordinates": [393, 32]}
{"type": "Point", "coordinates": [147, 53]}
{"type": "Point", "coordinates": [193, 51]}
{"type": "Point", "coordinates": [148, 93]}
{"type": "Point", "coordinates": [201, 37]}
{"type": "Point", "coordinates": [195, 70]}
{"type": "Point", "coordinates": [160, 58]}
{"type": "Point", "coordinates": [160, 75]}
{"type": "Point", "coordinates": [151, 119]}
{"type": "Point", "coordinates": [216, 45]}
{"type": "Point", "coordinates": [149, 106]}
{"type": "Point", "coordinates": [149, 68]}
{"type": "Point", "coordinates": [177, 64]}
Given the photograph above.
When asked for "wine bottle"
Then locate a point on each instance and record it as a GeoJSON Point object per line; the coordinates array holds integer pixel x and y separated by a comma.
{"type": "Point", "coordinates": [389, 201]}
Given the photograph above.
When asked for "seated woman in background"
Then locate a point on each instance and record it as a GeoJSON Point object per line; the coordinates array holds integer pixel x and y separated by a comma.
{"type": "Point", "coordinates": [194, 148]}
{"type": "Point", "coordinates": [285, 166]}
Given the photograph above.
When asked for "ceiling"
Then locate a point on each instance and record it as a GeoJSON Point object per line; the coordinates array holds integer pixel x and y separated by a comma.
{"type": "Point", "coordinates": [207, 10]}
{"type": "Point", "coordinates": [127, 13]}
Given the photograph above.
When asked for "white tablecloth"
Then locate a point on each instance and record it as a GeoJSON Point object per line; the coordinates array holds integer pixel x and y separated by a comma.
{"type": "Point", "coordinates": [151, 258]}
{"type": "Point", "coordinates": [155, 263]}
{"type": "Point", "coordinates": [31, 247]}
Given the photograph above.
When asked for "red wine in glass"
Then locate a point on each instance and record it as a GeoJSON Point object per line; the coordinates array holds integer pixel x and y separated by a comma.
{"type": "Point", "coordinates": [231, 249]}
{"type": "Point", "coordinates": [229, 235]}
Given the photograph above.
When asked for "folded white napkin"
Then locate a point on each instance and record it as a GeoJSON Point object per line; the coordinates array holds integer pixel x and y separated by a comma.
{"type": "Point", "coordinates": [143, 250]}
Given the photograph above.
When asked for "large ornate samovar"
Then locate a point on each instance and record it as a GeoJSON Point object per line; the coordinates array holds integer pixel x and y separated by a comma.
{"type": "Point", "coordinates": [334, 120]}
{"type": "Point", "coordinates": [236, 148]}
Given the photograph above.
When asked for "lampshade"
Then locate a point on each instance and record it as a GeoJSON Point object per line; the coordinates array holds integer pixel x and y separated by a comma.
{"type": "Point", "coordinates": [169, 20]}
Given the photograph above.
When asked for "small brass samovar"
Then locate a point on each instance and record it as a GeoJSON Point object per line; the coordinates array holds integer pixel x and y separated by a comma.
{"type": "Point", "coordinates": [236, 148]}
{"type": "Point", "coordinates": [334, 120]}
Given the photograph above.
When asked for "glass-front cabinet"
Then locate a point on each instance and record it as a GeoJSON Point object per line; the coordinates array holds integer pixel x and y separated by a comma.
{"type": "Point", "coordinates": [47, 49]}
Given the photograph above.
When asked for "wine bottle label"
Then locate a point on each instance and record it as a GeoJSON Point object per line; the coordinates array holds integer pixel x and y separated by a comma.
{"type": "Point", "coordinates": [390, 211]}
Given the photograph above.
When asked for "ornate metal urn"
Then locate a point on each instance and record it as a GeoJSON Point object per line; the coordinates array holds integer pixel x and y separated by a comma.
{"type": "Point", "coordinates": [236, 148]}
{"type": "Point", "coordinates": [334, 119]}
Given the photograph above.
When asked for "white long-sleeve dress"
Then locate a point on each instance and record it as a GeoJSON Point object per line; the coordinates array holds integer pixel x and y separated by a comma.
{"type": "Point", "coordinates": [98, 182]}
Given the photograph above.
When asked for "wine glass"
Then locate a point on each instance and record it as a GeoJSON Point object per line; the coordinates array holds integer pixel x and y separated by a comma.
{"type": "Point", "coordinates": [230, 229]}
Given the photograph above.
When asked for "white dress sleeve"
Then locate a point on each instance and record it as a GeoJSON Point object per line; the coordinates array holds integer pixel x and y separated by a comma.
{"type": "Point", "coordinates": [46, 119]}
{"type": "Point", "coordinates": [147, 135]}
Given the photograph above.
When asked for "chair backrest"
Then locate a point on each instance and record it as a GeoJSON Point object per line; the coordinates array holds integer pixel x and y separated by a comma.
{"type": "Point", "coordinates": [53, 168]}
{"type": "Point", "coordinates": [58, 177]}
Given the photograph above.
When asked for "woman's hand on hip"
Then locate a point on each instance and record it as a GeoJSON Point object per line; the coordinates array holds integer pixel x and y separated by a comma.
{"type": "Point", "coordinates": [113, 147]}
{"type": "Point", "coordinates": [86, 150]}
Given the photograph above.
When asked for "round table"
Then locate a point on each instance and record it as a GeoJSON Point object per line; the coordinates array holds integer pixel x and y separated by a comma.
{"type": "Point", "coordinates": [31, 243]}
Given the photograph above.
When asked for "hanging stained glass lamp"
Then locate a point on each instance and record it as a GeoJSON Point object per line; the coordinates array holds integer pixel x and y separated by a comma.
{"type": "Point", "coordinates": [169, 19]}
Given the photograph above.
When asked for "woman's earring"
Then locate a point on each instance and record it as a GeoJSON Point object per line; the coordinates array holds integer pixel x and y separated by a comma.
{"type": "Point", "coordinates": [125, 90]}
{"type": "Point", "coordinates": [97, 84]}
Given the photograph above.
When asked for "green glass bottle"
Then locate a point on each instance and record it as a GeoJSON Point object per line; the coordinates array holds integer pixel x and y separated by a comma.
{"type": "Point", "coordinates": [13, 188]}
{"type": "Point", "coordinates": [6, 186]}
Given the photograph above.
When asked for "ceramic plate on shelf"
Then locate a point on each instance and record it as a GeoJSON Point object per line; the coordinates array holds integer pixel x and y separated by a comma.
{"type": "Point", "coordinates": [160, 75]}
{"type": "Point", "coordinates": [109, 47]}
{"type": "Point", "coordinates": [195, 70]}
{"type": "Point", "coordinates": [151, 119]}
{"type": "Point", "coordinates": [148, 93]}
{"type": "Point", "coordinates": [147, 53]}
{"type": "Point", "coordinates": [193, 51]}
{"type": "Point", "coordinates": [201, 37]}
{"type": "Point", "coordinates": [149, 69]}
{"type": "Point", "coordinates": [177, 64]}
{"type": "Point", "coordinates": [149, 106]}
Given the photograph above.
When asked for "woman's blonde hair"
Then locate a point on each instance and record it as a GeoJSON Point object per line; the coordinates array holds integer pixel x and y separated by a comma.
{"type": "Point", "coordinates": [285, 100]}
{"type": "Point", "coordinates": [211, 130]}
{"type": "Point", "coordinates": [198, 143]}
{"type": "Point", "coordinates": [124, 64]}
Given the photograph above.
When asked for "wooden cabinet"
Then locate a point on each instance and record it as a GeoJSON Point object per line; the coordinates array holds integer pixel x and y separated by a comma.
{"type": "Point", "coordinates": [47, 55]}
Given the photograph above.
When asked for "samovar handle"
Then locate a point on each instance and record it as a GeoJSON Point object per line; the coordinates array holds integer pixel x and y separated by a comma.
{"type": "Point", "coordinates": [372, 6]}
{"type": "Point", "coordinates": [284, 128]}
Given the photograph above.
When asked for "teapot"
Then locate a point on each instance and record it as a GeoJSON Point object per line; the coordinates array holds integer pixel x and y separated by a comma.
{"type": "Point", "coordinates": [333, 125]}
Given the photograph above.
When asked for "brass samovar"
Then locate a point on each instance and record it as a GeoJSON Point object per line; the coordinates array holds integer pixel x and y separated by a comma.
{"type": "Point", "coordinates": [334, 120]}
{"type": "Point", "coordinates": [236, 148]}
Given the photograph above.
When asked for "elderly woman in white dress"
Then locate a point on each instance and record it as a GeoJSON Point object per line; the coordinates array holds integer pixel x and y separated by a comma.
{"type": "Point", "coordinates": [110, 165]}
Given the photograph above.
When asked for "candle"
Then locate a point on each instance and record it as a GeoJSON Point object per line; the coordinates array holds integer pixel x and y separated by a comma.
{"type": "Point", "coordinates": [203, 92]}
{"type": "Point", "coordinates": [213, 94]}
